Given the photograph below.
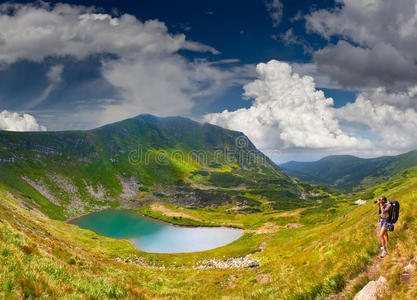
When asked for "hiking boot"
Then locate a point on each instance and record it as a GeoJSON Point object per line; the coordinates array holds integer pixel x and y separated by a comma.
{"type": "Point", "coordinates": [383, 254]}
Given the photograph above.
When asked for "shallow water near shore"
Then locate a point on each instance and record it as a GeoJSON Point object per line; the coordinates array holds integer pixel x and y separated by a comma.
{"type": "Point", "coordinates": [154, 236]}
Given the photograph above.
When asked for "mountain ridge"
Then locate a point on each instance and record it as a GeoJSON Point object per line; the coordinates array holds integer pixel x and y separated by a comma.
{"type": "Point", "coordinates": [312, 243]}
{"type": "Point", "coordinates": [349, 172]}
{"type": "Point", "coordinates": [136, 160]}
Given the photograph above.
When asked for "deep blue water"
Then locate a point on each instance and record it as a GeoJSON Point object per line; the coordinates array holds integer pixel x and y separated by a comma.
{"type": "Point", "coordinates": [153, 236]}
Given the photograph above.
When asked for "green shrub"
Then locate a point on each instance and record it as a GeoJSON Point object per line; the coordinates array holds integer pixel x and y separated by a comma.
{"type": "Point", "coordinates": [5, 252]}
{"type": "Point", "coordinates": [225, 179]}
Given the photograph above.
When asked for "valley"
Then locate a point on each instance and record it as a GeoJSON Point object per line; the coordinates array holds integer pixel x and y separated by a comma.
{"type": "Point", "coordinates": [301, 240]}
{"type": "Point", "coordinates": [224, 150]}
{"type": "Point", "coordinates": [348, 172]}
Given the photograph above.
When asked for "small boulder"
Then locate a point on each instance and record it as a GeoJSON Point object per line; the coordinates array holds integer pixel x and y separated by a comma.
{"type": "Point", "coordinates": [360, 202]}
{"type": "Point", "coordinates": [372, 289]}
{"type": "Point", "coordinates": [409, 268]}
{"type": "Point", "coordinates": [411, 265]}
{"type": "Point", "coordinates": [253, 264]}
{"type": "Point", "coordinates": [408, 271]}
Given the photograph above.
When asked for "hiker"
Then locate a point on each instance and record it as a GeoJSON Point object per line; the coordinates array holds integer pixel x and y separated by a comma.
{"type": "Point", "coordinates": [384, 211]}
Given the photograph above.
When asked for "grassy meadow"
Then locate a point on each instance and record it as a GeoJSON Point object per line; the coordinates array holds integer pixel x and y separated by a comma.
{"type": "Point", "coordinates": [42, 258]}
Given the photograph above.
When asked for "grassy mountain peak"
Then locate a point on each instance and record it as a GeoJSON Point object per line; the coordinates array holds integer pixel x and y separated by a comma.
{"type": "Point", "coordinates": [138, 160]}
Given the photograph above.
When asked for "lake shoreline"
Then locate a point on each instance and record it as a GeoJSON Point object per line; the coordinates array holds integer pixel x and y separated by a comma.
{"type": "Point", "coordinates": [125, 217]}
{"type": "Point", "coordinates": [68, 221]}
{"type": "Point", "coordinates": [186, 225]}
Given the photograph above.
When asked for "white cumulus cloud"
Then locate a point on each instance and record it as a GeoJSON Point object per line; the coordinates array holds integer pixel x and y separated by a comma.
{"type": "Point", "coordinates": [145, 68]}
{"type": "Point", "coordinates": [390, 117]}
{"type": "Point", "coordinates": [289, 118]}
{"type": "Point", "coordinates": [287, 112]}
{"type": "Point", "coordinates": [34, 32]}
{"type": "Point", "coordinates": [13, 121]}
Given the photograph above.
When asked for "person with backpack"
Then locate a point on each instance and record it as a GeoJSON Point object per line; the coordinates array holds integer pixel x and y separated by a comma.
{"type": "Point", "coordinates": [388, 215]}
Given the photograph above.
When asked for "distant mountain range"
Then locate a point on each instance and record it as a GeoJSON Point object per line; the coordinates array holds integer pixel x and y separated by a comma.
{"type": "Point", "coordinates": [349, 172]}
{"type": "Point", "coordinates": [137, 160]}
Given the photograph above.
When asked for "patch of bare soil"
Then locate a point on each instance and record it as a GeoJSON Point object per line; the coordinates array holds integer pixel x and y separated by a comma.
{"type": "Point", "coordinates": [238, 208]}
{"type": "Point", "coordinates": [202, 186]}
{"type": "Point", "coordinates": [263, 278]}
{"type": "Point", "coordinates": [293, 225]}
{"type": "Point", "coordinates": [171, 213]}
{"type": "Point", "coordinates": [238, 225]}
{"type": "Point", "coordinates": [271, 227]}
{"type": "Point", "coordinates": [267, 228]}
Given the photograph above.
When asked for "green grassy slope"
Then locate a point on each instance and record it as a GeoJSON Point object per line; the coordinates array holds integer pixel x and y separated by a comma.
{"type": "Point", "coordinates": [51, 259]}
{"type": "Point", "coordinates": [138, 160]}
{"type": "Point", "coordinates": [349, 172]}
{"type": "Point", "coordinates": [310, 242]}
{"type": "Point", "coordinates": [402, 244]}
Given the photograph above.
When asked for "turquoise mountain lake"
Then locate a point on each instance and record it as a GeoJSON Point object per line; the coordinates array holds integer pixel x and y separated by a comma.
{"type": "Point", "coordinates": [153, 236]}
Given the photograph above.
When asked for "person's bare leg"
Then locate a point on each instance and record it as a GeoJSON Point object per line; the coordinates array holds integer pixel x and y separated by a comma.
{"type": "Point", "coordinates": [381, 237]}
{"type": "Point", "coordinates": [386, 240]}
{"type": "Point", "coordinates": [383, 240]}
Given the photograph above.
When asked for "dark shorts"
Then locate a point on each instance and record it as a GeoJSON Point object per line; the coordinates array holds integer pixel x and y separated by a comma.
{"type": "Point", "coordinates": [388, 226]}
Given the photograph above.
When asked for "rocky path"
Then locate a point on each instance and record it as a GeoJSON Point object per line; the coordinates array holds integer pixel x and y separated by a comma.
{"type": "Point", "coordinates": [377, 283]}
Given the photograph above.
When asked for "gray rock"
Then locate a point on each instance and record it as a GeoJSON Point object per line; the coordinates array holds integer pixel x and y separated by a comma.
{"type": "Point", "coordinates": [238, 262]}
{"type": "Point", "coordinates": [253, 264]}
{"type": "Point", "coordinates": [372, 290]}
{"type": "Point", "coordinates": [360, 202]}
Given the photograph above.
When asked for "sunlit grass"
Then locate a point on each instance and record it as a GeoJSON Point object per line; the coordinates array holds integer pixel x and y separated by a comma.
{"type": "Point", "coordinates": [50, 259]}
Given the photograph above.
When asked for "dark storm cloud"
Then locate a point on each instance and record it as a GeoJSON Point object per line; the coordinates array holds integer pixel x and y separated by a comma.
{"type": "Point", "coordinates": [378, 44]}
{"type": "Point", "coordinates": [357, 67]}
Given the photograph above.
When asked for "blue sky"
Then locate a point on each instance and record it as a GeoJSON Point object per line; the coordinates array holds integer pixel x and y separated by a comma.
{"type": "Point", "coordinates": [240, 30]}
{"type": "Point", "coordinates": [238, 64]}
